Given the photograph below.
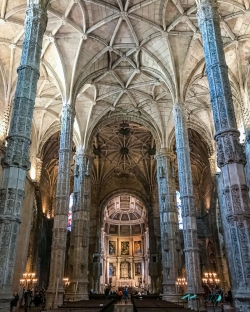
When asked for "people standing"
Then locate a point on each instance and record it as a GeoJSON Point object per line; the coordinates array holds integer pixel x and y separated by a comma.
{"type": "Point", "coordinates": [37, 300]}
{"type": "Point", "coordinates": [229, 298]}
{"type": "Point", "coordinates": [14, 302]}
{"type": "Point", "coordinates": [119, 296]}
{"type": "Point", "coordinates": [125, 294]}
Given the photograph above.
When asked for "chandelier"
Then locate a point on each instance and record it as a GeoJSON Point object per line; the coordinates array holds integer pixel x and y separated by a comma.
{"type": "Point", "coordinates": [28, 280]}
{"type": "Point", "coordinates": [210, 279]}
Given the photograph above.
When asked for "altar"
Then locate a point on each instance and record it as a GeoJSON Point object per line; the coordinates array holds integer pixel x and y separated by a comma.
{"type": "Point", "coordinates": [125, 282]}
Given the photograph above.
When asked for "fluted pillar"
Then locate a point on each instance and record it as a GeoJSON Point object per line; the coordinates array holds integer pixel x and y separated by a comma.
{"type": "Point", "coordinates": [191, 250]}
{"type": "Point", "coordinates": [58, 249]}
{"type": "Point", "coordinates": [169, 224]}
{"type": "Point", "coordinates": [79, 241]}
{"type": "Point", "coordinates": [230, 156]}
{"type": "Point", "coordinates": [16, 161]}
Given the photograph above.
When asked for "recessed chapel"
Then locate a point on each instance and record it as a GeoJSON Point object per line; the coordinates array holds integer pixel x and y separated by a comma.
{"type": "Point", "coordinates": [125, 147]}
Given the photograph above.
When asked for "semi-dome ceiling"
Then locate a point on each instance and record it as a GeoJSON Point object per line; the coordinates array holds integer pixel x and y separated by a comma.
{"type": "Point", "coordinates": [125, 215]}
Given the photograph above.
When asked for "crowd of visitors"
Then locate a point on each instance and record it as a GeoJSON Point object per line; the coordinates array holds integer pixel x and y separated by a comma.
{"type": "Point", "coordinates": [37, 297]}
{"type": "Point", "coordinates": [117, 294]}
{"type": "Point", "coordinates": [29, 297]}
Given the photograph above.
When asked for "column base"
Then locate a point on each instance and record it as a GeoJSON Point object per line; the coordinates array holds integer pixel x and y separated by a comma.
{"type": "Point", "coordinates": [198, 304]}
{"type": "Point", "coordinates": [78, 291]}
{"type": "Point", "coordinates": [5, 298]}
{"type": "Point", "coordinates": [71, 296]}
{"type": "Point", "coordinates": [53, 301]}
{"type": "Point", "coordinates": [5, 304]}
{"type": "Point", "coordinates": [172, 298]}
{"type": "Point", "coordinates": [242, 303]}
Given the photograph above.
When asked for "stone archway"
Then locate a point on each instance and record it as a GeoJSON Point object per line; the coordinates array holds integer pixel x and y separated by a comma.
{"type": "Point", "coordinates": [125, 242]}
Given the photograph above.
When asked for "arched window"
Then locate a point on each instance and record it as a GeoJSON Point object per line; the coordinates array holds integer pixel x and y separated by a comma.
{"type": "Point", "coordinates": [70, 212]}
{"type": "Point", "coordinates": [178, 203]}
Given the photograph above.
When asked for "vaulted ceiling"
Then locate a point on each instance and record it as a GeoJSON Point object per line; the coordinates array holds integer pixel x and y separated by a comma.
{"type": "Point", "coordinates": [124, 150]}
{"type": "Point", "coordinates": [127, 57]}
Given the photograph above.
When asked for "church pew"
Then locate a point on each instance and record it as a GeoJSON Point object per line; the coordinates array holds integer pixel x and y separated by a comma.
{"type": "Point", "coordinates": [87, 306]}
{"type": "Point", "coordinates": [153, 305]}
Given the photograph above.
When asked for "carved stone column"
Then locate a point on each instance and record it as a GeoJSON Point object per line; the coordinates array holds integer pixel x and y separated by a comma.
{"type": "Point", "coordinates": [57, 262]}
{"type": "Point", "coordinates": [39, 165]}
{"type": "Point", "coordinates": [97, 272]}
{"type": "Point", "coordinates": [79, 241]}
{"type": "Point", "coordinates": [169, 224]}
{"type": "Point", "coordinates": [230, 156]}
{"type": "Point", "coordinates": [16, 161]}
{"type": "Point", "coordinates": [187, 200]}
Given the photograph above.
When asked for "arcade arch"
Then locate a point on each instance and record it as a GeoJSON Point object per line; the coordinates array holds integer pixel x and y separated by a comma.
{"type": "Point", "coordinates": [125, 242]}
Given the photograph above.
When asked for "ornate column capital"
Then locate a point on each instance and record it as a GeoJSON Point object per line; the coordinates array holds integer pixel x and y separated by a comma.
{"type": "Point", "coordinates": [207, 9]}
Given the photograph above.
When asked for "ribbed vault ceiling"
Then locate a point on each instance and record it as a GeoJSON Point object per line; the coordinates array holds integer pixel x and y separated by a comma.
{"type": "Point", "coordinates": [124, 215]}
{"type": "Point", "coordinates": [121, 56]}
{"type": "Point", "coordinates": [124, 150]}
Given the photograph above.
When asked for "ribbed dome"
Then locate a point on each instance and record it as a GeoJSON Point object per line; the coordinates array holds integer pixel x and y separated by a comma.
{"type": "Point", "coordinates": [125, 215]}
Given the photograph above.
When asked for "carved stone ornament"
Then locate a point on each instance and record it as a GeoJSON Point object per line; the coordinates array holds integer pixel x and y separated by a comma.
{"type": "Point", "coordinates": [230, 157]}
{"type": "Point", "coordinates": [62, 204]}
{"type": "Point", "coordinates": [16, 161]}
{"type": "Point", "coordinates": [79, 242]}
{"type": "Point", "coordinates": [168, 222]}
{"type": "Point", "coordinates": [187, 201]}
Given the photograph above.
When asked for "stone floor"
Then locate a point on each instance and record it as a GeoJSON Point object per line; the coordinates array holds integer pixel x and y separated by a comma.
{"type": "Point", "coordinates": [123, 307]}
{"type": "Point", "coordinates": [226, 308]}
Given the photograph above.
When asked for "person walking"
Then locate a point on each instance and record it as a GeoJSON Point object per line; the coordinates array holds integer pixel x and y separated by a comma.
{"type": "Point", "coordinates": [125, 294]}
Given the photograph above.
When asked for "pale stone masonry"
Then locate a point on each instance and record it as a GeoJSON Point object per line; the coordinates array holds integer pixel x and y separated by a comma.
{"type": "Point", "coordinates": [79, 242]}
{"type": "Point", "coordinates": [191, 249]}
{"type": "Point", "coordinates": [116, 71]}
{"type": "Point", "coordinates": [57, 264]}
{"type": "Point", "coordinates": [17, 159]}
{"type": "Point", "coordinates": [230, 156]}
{"type": "Point", "coordinates": [168, 223]}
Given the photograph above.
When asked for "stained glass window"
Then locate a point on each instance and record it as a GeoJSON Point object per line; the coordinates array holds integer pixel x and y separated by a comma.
{"type": "Point", "coordinates": [178, 203]}
{"type": "Point", "coordinates": [70, 212]}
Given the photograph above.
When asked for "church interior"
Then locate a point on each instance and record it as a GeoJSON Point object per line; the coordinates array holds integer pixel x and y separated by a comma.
{"type": "Point", "coordinates": [125, 147]}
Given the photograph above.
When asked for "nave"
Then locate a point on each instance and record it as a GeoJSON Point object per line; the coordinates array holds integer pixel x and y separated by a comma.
{"type": "Point", "coordinates": [125, 151]}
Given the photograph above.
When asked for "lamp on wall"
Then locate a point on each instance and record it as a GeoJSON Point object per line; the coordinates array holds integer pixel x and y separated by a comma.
{"type": "Point", "coordinates": [28, 280]}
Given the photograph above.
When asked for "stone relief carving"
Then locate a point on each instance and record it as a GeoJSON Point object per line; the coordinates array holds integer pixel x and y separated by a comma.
{"type": "Point", "coordinates": [230, 151]}
{"type": "Point", "coordinates": [62, 203]}
{"type": "Point", "coordinates": [16, 161]}
{"type": "Point", "coordinates": [168, 223]}
{"type": "Point", "coordinates": [187, 200]}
